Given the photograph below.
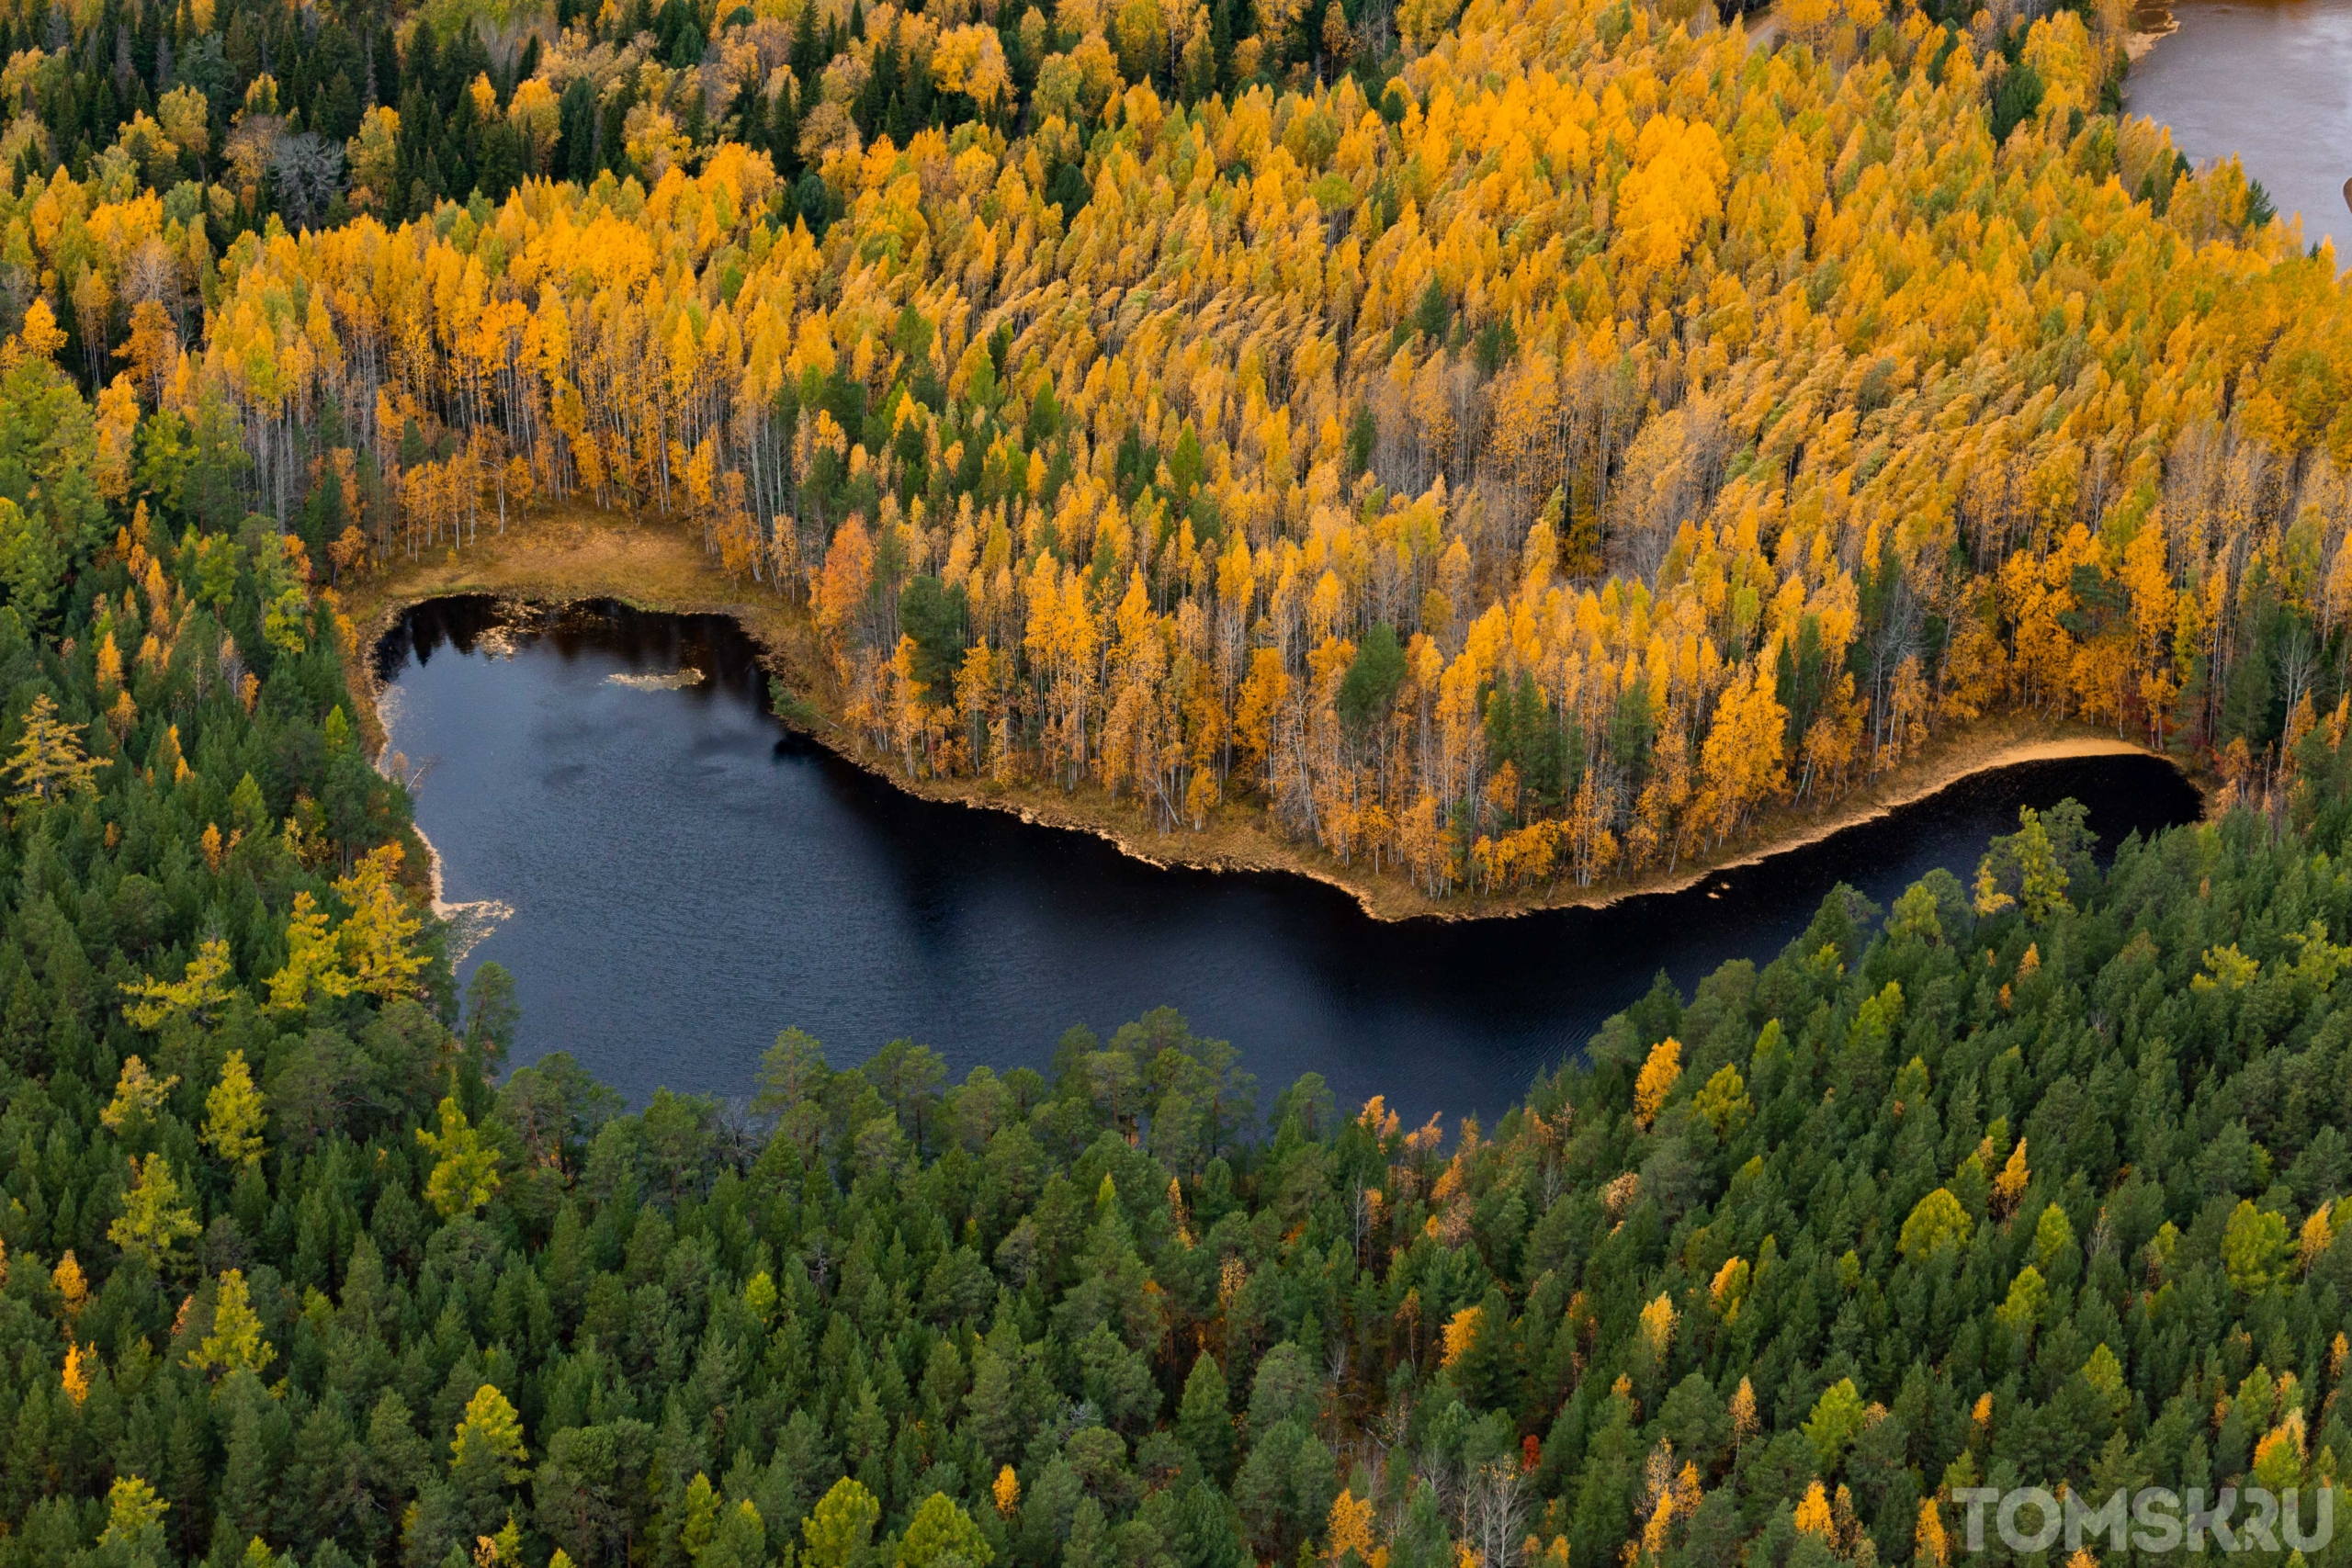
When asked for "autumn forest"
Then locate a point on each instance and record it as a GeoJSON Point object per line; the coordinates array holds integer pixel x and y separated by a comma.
{"type": "Point", "coordinates": [1521, 466]}
{"type": "Point", "coordinates": [1502, 450]}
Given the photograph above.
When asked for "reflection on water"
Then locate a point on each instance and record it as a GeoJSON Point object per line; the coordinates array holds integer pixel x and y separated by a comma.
{"type": "Point", "coordinates": [2270, 80]}
{"type": "Point", "coordinates": [687, 879]}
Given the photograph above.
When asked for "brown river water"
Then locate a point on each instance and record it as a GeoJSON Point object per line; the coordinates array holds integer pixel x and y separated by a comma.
{"type": "Point", "coordinates": [2269, 80]}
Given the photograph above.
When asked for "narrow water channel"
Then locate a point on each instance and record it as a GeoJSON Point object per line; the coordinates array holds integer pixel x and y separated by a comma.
{"type": "Point", "coordinates": [686, 878]}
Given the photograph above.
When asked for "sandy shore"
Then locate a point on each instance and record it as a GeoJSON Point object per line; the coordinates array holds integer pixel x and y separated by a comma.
{"type": "Point", "coordinates": [2137, 45]}
{"type": "Point", "coordinates": [2151, 22]}
{"type": "Point", "coordinates": [470, 921]}
{"type": "Point", "coordinates": [566, 556]}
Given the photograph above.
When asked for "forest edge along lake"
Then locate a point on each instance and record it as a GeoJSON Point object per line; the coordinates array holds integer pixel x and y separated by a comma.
{"type": "Point", "coordinates": [670, 851]}
{"type": "Point", "coordinates": [575, 555]}
{"type": "Point", "coordinates": [2264, 80]}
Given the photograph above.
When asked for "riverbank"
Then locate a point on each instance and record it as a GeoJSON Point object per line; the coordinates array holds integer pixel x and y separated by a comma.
{"type": "Point", "coordinates": [578, 554]}
{"type": "Point", "coordinates": [2151, 24]}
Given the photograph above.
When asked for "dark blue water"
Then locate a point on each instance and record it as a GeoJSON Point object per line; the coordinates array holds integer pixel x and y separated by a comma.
{"type": "Point", "coordinates": [687, 878]}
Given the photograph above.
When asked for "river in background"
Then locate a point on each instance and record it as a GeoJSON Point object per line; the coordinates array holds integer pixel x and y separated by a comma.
{"type": "Point", "coordinates": [685, 878]}
{"type": "Point", "coordinates": [2270, 80]}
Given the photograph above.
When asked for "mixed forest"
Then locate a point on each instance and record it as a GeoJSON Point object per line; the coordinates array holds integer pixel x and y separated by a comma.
{"type": "Point", "coordinates": [1496, 447]}
{"type": "Point", "coordinates": [1493, 451]}
{"type": "Point", "coordinates": [2041, 1180]}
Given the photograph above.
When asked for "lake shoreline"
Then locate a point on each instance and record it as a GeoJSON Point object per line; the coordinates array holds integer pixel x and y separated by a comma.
{"type": "Point", "coordinates": [2150, 25]}
{"type": "Point", "coordinates": [577, 554]}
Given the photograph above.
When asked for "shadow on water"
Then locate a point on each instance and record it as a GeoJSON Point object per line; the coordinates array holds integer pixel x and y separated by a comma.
{"type": "Point", "coordinates": [687, 879]}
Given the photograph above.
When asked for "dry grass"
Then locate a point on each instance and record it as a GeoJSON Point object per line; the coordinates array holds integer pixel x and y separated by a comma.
{"type": "Point", "coordinates": [571, 553]}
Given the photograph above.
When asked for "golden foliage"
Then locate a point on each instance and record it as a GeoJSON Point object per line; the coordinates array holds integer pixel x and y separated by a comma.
{"type": "Point", "coordinates": [2009, 1186]}
{"type": "Point", "coordinates": [202, 988]}
{"type": "Point", "coordinates": [1813, 1513]}
{"type": "Point", "coordinates": [1461, 1332]}
{"type": "Point", "coordinates": [138, 1096]}
{"type": "Point", "coordinates": [1659, 1321]}
{"type": "Point", "coordinates": [1930, 1542]}
{"type": "Point", "coordinates": [1659, 1073]}
{"type": "Point", "coordinates": [235, 1114]}
{"type": "Point", "coordinates": [1604, 373]}
{"type": "Point", "coordinates": [73, 1289]}
{"type": "Point", "coordinates": [234, 1343]}
{"type": "Point", "coordinates": [1729, 1289]}
{"type": "Point", "coordinates": [376, 937]}
{"type": "Point", "coordinates": [1349, 1528]}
